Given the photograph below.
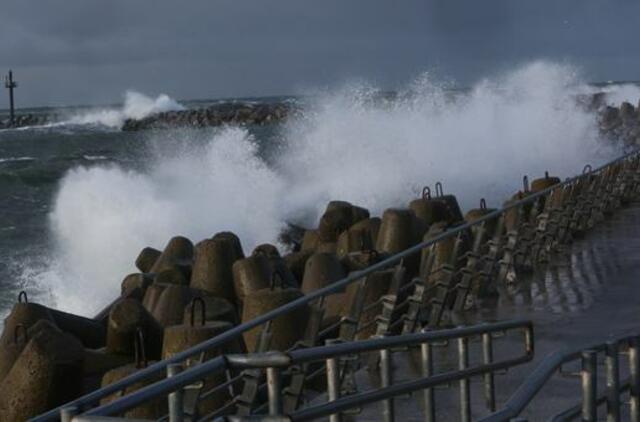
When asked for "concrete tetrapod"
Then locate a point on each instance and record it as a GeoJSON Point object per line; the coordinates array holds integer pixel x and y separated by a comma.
{"type": "Point", "coordinates": [217, 309]}
{"type": "Point", "coordinates": [173, 275]}
{"type": "Point", "coordinates": [543, 183]}
{"type": "Point", "coordinates": [377, 285]}
{"type": "Point", "coordinates": [371, 226]}
{"type": "Point", "coordinates": [354, 240]}
{"type": "Point", "coordinates": [310, 241]}
{"type": "Point", "coordinates": [399, 230]}
{"type": "Point", "coordinates": [250, 274]}
{"type": "Point", "coordinates": [136, 281]}
{"type": "Point", "coordinates": [10, 351]}
{"type": "Point", "coordinates": [337, 218]}
{"type": "Point", "coordinates": [353, 212]}
{"type": "Point", "coordinates": [443, 251]}
{"type": "Point", "coordinates": [451, 202]}
{"type": "Point", "coordinates": [233, 242]}
{"type": "Point", "coordinates": [90, 332]}
{"type": "Point", "coordinates": [48, 373]}
{"type": "Point", "coordinates": [97, 362]}
{"type": "Point", "coordinates": [181, 337]}
{"type": "Point", "coordinates": [125, 318]}
{"type": "Point", "coordinates": [429, 210]}
{"type": "Point", "coordinates": [321, 270]}
{"type": "Point", "coordinates": [153, 409]}
{"type": "Point", "coordinates": [177, 253]}
{"type": "Point", "coordinates": [212, 269]}
{"type": "Point", "coordinates": [152, 295]}
{"type": "Point", "coordinates": [359, 260]}
{"type": "Point", "coordinates": [147, 258]}
{"type": "Point", "coordinates": [169, 309]}
{"type": "Point", "coordinates": [23, 314]}
{"type": "Point", "coordinates": [277, 265]}
{"type": "Point", "coordinates": [296, 262]}
{"type": "Point", "coordinates": [475, 214]}
{"type": "Point", "coordinates": [286, 329]}
{"type": "Point", "coordinates": [327, 247]}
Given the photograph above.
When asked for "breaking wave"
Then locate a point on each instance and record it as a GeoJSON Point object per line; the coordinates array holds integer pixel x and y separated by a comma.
{"type": "Point", "coordinates": [136, 106]}
{"type": "Point", "coordinates": [350, 144]}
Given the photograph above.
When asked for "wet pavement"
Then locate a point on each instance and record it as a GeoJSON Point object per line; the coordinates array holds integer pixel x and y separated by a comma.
{"type": "Point", "coordinates": [584, 296]}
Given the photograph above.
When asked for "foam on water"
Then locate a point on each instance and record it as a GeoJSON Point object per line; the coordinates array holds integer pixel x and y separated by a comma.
{"type": "Point", "coordinates": [348, 145]}
{"type": "Point", "coordinates": [15, 159]}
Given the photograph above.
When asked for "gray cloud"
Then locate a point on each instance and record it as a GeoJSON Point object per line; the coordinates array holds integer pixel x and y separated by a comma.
{"type": "Point", "coordinates": [86, 51]}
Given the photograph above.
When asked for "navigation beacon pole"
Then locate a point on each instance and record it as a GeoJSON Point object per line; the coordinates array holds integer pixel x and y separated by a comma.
{"type": "Point", "coordinates": [10, 84]}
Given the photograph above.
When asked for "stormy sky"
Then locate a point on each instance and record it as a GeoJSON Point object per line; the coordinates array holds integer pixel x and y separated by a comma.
{"type": "Point", "coordinates": [91, 51]}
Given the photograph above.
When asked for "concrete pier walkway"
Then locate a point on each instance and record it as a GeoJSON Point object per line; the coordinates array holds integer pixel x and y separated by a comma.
{"type": "Point", "coordinates": [585, 296]}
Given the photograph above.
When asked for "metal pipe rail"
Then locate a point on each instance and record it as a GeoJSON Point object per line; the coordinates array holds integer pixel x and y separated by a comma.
{"type": "Point", "coordinates": [574, 219]}
{"type": "Point", "coordinates": [389, 390]}
{"type": "Point", "coordinates": [282, 359]}
{"type": "Point", "coordinates": [275, 362]}
{"type": "Point", "coordinates": [587, 410]}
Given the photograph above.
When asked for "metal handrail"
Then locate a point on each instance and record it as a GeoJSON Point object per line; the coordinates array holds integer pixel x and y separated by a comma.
{"type": "Point", "coordinates": [294, 357]}
{"type": "Point", "coordinates": [553, 363]}
{"type": "Point", "coordinates": [286, 359]}
{"type": "Point", "coordinates": [215, 342]}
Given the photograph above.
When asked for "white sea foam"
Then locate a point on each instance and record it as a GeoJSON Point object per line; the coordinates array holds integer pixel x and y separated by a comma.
{"type": "Point", "coordinates": [136, 106]}
{"type": "Point", "coordinates": [15, 159]}
{"type": "Point", "coordinates": [348, 146]}
{"type": "Point", "coordinates": [95, 157]}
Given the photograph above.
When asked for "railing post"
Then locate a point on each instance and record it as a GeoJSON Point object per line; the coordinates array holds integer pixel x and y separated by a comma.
{"type": "Point", "coordinates": [427, 371]}
{"type": "Point", "coordinates": [613, 382]}
{"type": "Point", "coordinates": [274, 391]}
{"type": "Point", "coordinates": [333, 386]}
{"type": "Point", "coordinates": [589, 386]}
{"type": "Point", "coordinates": [386, 378]}
{"type": "Point", "coordinates": [634, 388]}
{"type": "Point", "coordinates": [489, 385]}
{"type": "Point", "coordinates": [67, 413]}
{"type": "Point", "coordinates": [176, 398]}
{"type": "Point", "coordinates": [463, 363]}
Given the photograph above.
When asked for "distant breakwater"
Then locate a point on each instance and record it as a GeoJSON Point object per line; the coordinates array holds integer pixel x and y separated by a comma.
{"type": "Point", "coordinates": [216, 115]}
{"type": "Point", "coordinates": [621, 123]}
{"type": "Point", "coordinates": [29, 119]}
{"type": "Point", "coordinates": [228, 113]}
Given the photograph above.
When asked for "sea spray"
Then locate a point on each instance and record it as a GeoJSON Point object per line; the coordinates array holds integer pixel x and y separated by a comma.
{"type": "Point", "coordinates": [348, 145]}
{"type": "Point", "coordinates": [136, 106]}
{"type": "Point", "coordinates": [479, 144]}
{"type": "Point", "coordinates": [619, 93]}
{"type": "Point", "coordinates": [103, 216]}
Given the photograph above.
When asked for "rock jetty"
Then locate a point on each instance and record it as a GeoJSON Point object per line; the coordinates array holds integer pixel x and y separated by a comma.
{"type": "Point", "coordinates": [216, 115]}
{"type": "Point", "coordinates": [621, 124]}
{"type": "Point", "coordinates": [31, 119]}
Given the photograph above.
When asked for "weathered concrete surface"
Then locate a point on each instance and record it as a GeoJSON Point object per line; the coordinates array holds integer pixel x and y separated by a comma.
{"type": "Point", "coordinates": [588, 295]}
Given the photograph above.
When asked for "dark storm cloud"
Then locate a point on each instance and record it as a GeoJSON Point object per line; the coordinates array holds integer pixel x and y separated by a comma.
{"type": "Point", "coordinates": [71, 51]}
